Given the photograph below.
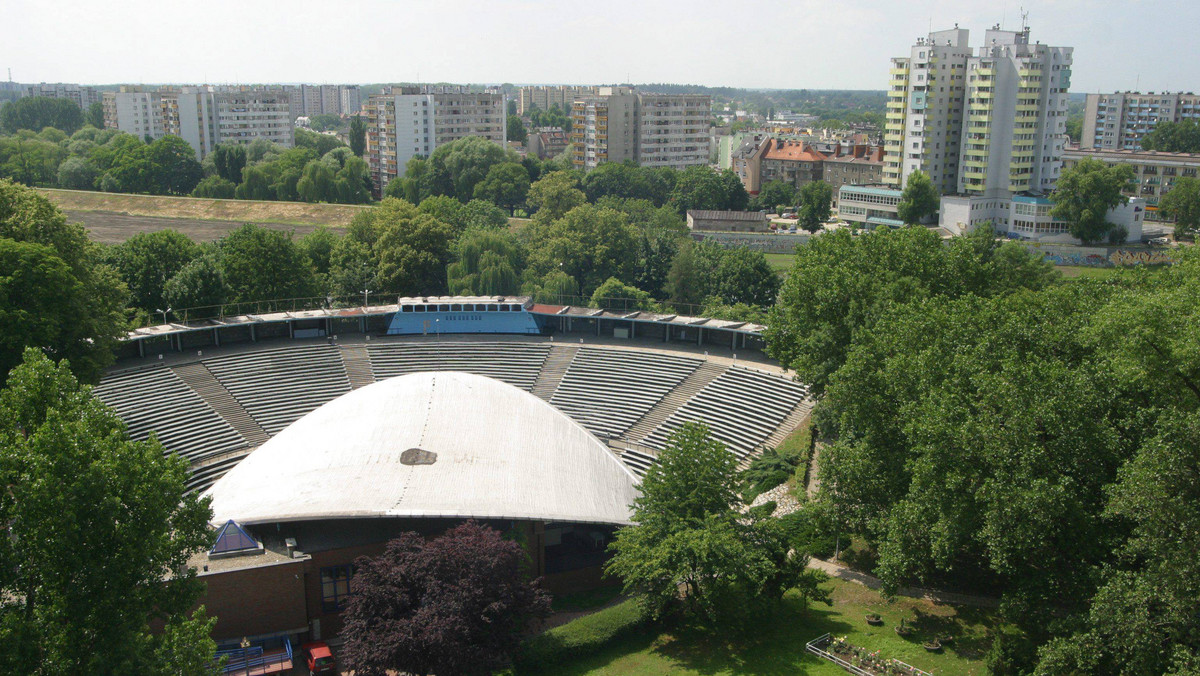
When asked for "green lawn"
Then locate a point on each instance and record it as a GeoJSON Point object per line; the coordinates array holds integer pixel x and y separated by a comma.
{"type": "Point", "coordinates": [776, 645]}
{"type": "Point", "coordinates": [781, 262]}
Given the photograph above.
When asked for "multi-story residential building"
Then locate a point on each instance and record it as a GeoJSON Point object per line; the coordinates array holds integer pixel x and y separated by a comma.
{"type": "Point", "coordinates": [350, 100]}
{"type": "Point", "coordinates": [409, 122]}
{"type": "Point", "coordinates": [82, 95]}
{"type": "Point", "coordinates": [1154, 172]}
{"type": "Point", "coordinates": [858, 164]}
{"type": "Point", "coordinates": [134, 112]}
{"type": "Point", "coordinates": [925, 105]}
{"type": "Point", "coordinates": [869, 206]}
{"type": "Point", "coordinates": [1119, 121]}
{"type": "Point", "coordinates": [654, 130]}
{"type": "Point", "coordinates": [544, 98]}
{"type": "Point", "coordinates": [252, 114]}
{"type": "Point", "coordinates": [746, 161]}
{"type": "Point", "coordinates": [547, 142]}
{"type": "Point", "coordinates": [673, 130]}
{"type": "Point", "coordinates": [793, 162]}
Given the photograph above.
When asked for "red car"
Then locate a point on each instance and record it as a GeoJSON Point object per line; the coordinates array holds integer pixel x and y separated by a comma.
{"type": "Point", "coordinates": [318, 658]}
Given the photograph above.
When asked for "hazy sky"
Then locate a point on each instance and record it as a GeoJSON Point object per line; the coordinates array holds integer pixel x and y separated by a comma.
{"type": "Point", "coordinates": [816, 44]}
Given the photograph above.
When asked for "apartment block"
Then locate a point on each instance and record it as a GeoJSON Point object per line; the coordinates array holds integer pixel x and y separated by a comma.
{"type": "Point", "coordinates": [409, 122]}
{"type": "Point", "coordinates": [793, 162]}
{"type": "Point", "coordinates": [1119, 121]}
{"type": "Point", "coordinates": [854, 165]}
{"type": "Point", "coordinates": [654, 130]}
{"type": "Point", "coordinates": [134, 112]}
{"type": "Point", "coordinates": [82, 95]}
{"type": "Point", "coordinates": [547, 142]}
{"type": "Point", "coordinates": [252, 114]}
{"type": "Point", "coordinates": [1155, 172]}
{"type": "Point", "coordinates": [201, 116]}
{"type": "Point", "coordinates": [545, 98]}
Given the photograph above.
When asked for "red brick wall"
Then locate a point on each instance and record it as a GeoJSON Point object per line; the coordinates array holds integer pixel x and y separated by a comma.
{"type": "Point", "coordinates": [255, 601]}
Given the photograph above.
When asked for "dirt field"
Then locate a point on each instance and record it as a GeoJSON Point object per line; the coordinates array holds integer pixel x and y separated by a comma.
{"type": "Point", "coordinates": [195, 209]}
{"type": "Point", "coordinates": [113, 228]}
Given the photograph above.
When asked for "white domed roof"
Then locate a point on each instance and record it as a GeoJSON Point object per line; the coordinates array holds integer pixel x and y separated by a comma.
{"type": "Point", "coordinates": [443, 444]}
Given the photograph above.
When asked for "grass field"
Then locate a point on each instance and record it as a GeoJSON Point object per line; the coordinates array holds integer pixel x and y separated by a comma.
{"type": "Point", "coordinates": [781, 262]}
{"type": "Point", "coordinates": [192, 208]}
{"type": "Point", "coordinates": [776, 645]}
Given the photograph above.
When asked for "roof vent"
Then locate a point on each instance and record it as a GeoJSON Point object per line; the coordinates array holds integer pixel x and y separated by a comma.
{"type": "Point", "coordinates": [418, 456]}
{"type": "Point", "coordinates": [233, 540]}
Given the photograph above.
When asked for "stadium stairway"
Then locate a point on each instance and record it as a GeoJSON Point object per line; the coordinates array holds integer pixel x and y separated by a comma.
{"type": "Point", "coordinates": [198, 377]}
{"type": "Point", "coordinates": [790, 423]}
{"type": "Point", "coordinates": [358, 365]}
{"type": "Point", "coordinates": [553, 370]}
{"type": "Point", "coordinates": [656, 416]}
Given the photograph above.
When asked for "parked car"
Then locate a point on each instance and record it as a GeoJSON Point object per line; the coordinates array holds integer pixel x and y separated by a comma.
{"type": "Point", "coordinates": [318, 658]}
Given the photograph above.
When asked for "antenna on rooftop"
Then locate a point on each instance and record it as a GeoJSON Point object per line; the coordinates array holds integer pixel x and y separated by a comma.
{"type": "Point", "coordinates": [1024, 19]}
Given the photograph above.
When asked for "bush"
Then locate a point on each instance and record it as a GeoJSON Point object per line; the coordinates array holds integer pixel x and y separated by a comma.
{"type": "Point", "coordinates": [585, 636]}
{"type": "Point", "coordinates": [767, 471]}
{"type": "Point", "coordinates": [811, 530]}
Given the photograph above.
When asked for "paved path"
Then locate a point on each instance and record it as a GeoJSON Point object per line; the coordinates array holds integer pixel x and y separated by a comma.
{"type": "Point", "coordinates": [843, 573]}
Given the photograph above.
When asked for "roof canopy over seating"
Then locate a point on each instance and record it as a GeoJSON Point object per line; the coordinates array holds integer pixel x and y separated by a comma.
{"type": "Point", "coordinates": [444, 444]}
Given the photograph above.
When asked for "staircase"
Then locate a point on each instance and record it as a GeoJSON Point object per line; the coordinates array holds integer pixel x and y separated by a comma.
{"type": "Point", "coordinates": [358, 365]}
{"type": "Point", "coordinates": [553, 370]}
{"type": "Point", "coordinates": [677, 397]}
{"type": "Point", "coordinates": [198, 377]}
{"type": "Point", "coordinates": [790, 423]}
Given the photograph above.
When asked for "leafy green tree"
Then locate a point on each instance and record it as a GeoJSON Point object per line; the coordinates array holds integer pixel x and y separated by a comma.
{"type": "Point", "coordinates": [198, 287]}
{"type": "Point", "coordinates": [481, 214]}
{"type": "Point", "coordinates": [147, 260]}
{"type": "Point", "coordinates": [318, 143]}
{"type": "Point", "coordinates": [656, 253]}
{"type": "Point", "coordinates": [79, 316]}
{"type": "Point", "coordinates": [173, 166]}
{"type": "Point", "coordinates": [486, 263]}
{"type": "Point", "coordinates": [614, 294]}
{"type": "Point", "coordinates": [38, 112]}
{"type": "Point", "coordinates": [255, 185]}
{"type": "Point", "coordinates": [686, 280]}
{"type": "Point", "coordinates": [703, 188]}
{"type": "Point", "coordinates": [1182, 203]}
{"type": "Point", "coordinates": [318, 246]}
{"type": "Point", "coordinates": [358, 135]}
{"type": "Point", "coordinates": [691, 540]}
{"type": "Point", "coordinates": [78, 173]}
{"type": "Point", "coordinates": [230, 159]}
{"type": "Point", "coordinates": [30, 160]}
{"type": "Point", "coordinates": [317, 183]}
{"type": "Point", "coordinates": [96, 525]}
{"type": "Point", "coordinates": [506, 186]}
{"type": "Point", "coordinates": [352, 267]}
{"type": "Point", "coordinates": [261, 264]}
{"type": "Point", "coordinates": [555, 194]}
{"type": "Point", "coordinates": [816, 202]}
{"type": "Point", "coordinates": [1075, 128]}
{"type": "Point", "coordinates": [554, 287]}
{"type": "Point", "coordinates": [352, 185]}
{"type": "Point", "coordinates": [324, 122]}
{"type": "Point", "coordinates": [95, 115]}
{"type": "Point", "coordinates": [919, 200]}
{"type": "Point", "coordinates": [411, 249]}
{"type": "Point", "coordinates": [1173, 137]}
{"type": "Point", "coordinates": [587, 243]}
{"type": "Point", "coordinates": [775, 194]}
{"type": "Point", "coordinates": [1085, 194]}
{"type": "Point", "coordinates": [214, 187]}
{"type": "Point", "coordinates": [744, 276]}
{"type": "Point", "coordinates": [736, 197]}
{"type": "Point", "coordinates": [412, 187]}
{"type": "Point", "coordinates": [444, 208]}
{"type": "Point", "coordinates": [516, 130]}
{"type": "Point", "coordinates": [456, 167]}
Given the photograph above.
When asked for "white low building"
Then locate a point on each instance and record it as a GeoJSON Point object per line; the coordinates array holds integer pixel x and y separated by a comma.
{"type": "Point", "coordinates": [1028, 217]}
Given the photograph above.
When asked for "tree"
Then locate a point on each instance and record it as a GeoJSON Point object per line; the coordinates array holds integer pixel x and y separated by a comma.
{"type": "Point", "coordinates": [816, 201]}
{"type": "Point", "coordinates": [516, 130]}
{"type": "Point", "coordinates": [775, 194]}
{"type": "Point", "coordinates": [358, 135]}
{"type": "Point", "coordinates": [1085, 194]}
{"type": "Point", "coordinates": [686, 280]}
{"type": "Point", "coordinates": [744, 276]}
{"type": "Point", "coordinates": [481, 214]}
{"type": "Point", "coordinates": [506, 186]}
{"type": "Point", "coordinates": [173, 166]}
{"type": "Point", "coordinates": [456, 167]}
{"type": "Point", "coordinates": [261, 264]}
{"type": "Point", "coordinates": [76, 311]}
{"type": "Point", "coordinates": [555, 194]}
{"type": "Point", "coordinates": [555, 287]}
{"type": "Point", "coordinates": [38, 112]}
{"type": "Point", "coordinates": [702, 188]}
{"type": "Point", "coordinates": [30, 160]}
{"type": "Point", "coordinates": [148, 260]}
{"type": "Point", "coordinates": [1182, 203]}
{"type": "Point", "coordinates": [691, 540]}
{"type": "Point", "coordinates": [100, 529]}
{"type": "Point", "coordinates": [230, 159]}
{"type": "Point", "coordinates": [78, 173]}
{"type": "Point", "coordinates": [456, 604]}
{"type": "Point", "coordinates": [1075, 128]}
{"type": "Point", "coordinates": [919, 200]}
{"type": "Point", "coordinates": [614, 294]}
{"type": "Point", "coordinates": [410, 249]}
{"type": "Point", "coordinates": [95, 115]}
{"type": "Point", "coordinates": [587, 243]}
{"type": "Point", "coordinates": [1173, 137]}
{"type": "Point", "coordinates": [198, 287]}
{"type": "Point", "coordinates": [215, 187]}
{"type": "Point", "coordinates": [487, 263]}
{"type": "Point", "coordinates": [317, 183]}
{"type": "Point", "coordinates": [318, 143]}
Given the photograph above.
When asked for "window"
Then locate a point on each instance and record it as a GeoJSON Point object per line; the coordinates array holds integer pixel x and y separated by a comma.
{"type": "Point", "coordinates": [335, 587]}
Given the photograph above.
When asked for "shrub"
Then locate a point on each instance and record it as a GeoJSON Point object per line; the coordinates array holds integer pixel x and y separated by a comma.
{"type": "Point", "coordinates": [585, 636]}
{"type": "Point", "coordinates": [811, 530]}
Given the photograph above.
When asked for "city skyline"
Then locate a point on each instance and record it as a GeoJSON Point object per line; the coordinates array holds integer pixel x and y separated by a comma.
{"type": "Point", "coordinates": [804, 44]}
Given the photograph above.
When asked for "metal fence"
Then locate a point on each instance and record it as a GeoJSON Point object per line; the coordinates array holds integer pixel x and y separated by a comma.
{"type": "Point", "coordinates": [817, 647]}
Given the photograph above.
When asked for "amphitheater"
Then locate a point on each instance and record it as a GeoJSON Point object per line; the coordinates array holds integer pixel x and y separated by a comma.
{"type": "Point", "coordinates": [214, 391]}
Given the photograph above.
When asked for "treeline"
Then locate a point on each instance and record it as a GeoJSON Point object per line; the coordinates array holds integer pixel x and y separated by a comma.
{"type": "Point", "coordinates": [989, 429]}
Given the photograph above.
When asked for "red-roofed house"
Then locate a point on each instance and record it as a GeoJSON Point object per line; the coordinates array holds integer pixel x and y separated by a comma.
{"type": "Point", "coordinates": [793, 162]}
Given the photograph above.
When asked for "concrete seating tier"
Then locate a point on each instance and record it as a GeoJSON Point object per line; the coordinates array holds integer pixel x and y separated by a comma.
{"type": "Point", "coordinates": [637, 461]}
{"type": "Point", "coordinates": [156, 400]}
{"type": "Point", "coordinates": [607, 391]}
{"type": "Point", "coordinates": [278, 387]}
{"type": "Point", "coordinates": [741, 407]}
{"type": "Point", "coordinates": [517, 364]}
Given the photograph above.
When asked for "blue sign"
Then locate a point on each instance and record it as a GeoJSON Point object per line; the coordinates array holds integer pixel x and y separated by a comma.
{"type": "Point", "coordinates": [433, 323]}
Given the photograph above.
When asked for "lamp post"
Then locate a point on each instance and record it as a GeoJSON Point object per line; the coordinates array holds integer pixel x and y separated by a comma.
{"type": "Point", "coordinates": [164, 313]}
{"type": "Point", "coordinates": [246, 654]}
{"type": "Point", "coordinates": [366, 295]}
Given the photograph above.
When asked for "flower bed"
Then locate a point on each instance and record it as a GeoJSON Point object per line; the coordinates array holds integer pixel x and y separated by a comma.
{"type": "Point", "coordinates": [858, 660]}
